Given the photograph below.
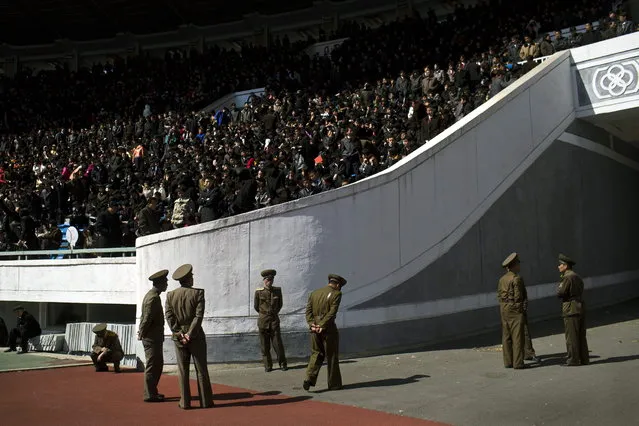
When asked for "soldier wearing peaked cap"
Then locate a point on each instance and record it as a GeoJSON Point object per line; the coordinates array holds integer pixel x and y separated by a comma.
{"type": "Point", "coordinates": [27, 327]}
{"type": "Point", "coordinates": [268, 302]}
{"type": "Point", "coordinates": [321, 311]}
{"type": "Point", "coordinates": [570, 291]}
{"type": "Point", "coordinates": [511, 294]}
{"type": "Point", "coordinates": [184, 314]}
{"type": "Point", "coordinates": [151, 333]}
{"type": "Point", "coordinates": [106, 348]}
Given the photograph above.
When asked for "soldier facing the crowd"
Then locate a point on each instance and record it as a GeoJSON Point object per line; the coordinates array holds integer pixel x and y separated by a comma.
{"type": "Point", "coordinates": [511, 296]}
{"type": "Point", "coordinates": [268, 303]}
{"type": "Point", "coordinates": [570, 291]}
{"type": "Point", "coordinates": [151, 333]}
{"type": "Point", "coordinates": [321, 311]}
{"type": "Point", "coordinates": [184, 314]}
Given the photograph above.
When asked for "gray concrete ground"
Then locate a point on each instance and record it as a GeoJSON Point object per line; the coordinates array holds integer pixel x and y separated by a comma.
{"type": "Point", "coordinates": [463, 383]}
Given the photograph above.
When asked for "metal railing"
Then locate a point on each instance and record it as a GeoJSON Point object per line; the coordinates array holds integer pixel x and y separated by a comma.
{"type": "Point", "coordinates": [67, 254]}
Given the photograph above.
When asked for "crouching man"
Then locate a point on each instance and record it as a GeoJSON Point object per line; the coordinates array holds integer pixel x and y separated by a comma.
{"type": "Point", "coordinates": [106, 348]}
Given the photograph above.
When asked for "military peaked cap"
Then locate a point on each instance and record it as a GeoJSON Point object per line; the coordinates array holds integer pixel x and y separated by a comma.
{"type": "Point", "coordinates": [159, 275]}
{"type": "Point", "coordinates": [182, 271]}
{"type": "Point", "coordinates": [268, 273]}
{"type": "Point", "coordinates": [18, 308]}
{"type": "Point", "coordinates": [565, 259]}
{"type": "Point", "coordinates": [99, 328]}
{"type": "Point", "coordinates": [512, 257]}
{"type": "Point", "coordinates": [334, 278]}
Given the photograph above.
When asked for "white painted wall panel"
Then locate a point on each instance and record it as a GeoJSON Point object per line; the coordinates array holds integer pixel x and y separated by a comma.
{"type": "Point", "coordinates": [103, 280]}
{"type": "Point", "coordinates": [455, 183]}
{"type": "Point", "coordinates": [501, 147]}
{"type": "Point", "coordinates": [417, 210]}
{"type": "Point", "coordinates": [551, 100]}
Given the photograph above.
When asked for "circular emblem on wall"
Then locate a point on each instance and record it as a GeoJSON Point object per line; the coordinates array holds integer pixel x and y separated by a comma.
{"type": "Point", "coordinates": [620, 79]}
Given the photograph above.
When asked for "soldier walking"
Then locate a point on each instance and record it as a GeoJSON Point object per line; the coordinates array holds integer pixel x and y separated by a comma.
{"type": "Point", "coordinates": [321, 311]}
{"type": "Point", "coordinates": [151, 333]}
{"type": "Point", "coordinates": [268, 303]}
{"type": "Point", "coordinates": [570, 291]}
{"type": "Point", "coordinates": [184, 314]}
{"type": "Point", "coordinates": [511, 296]}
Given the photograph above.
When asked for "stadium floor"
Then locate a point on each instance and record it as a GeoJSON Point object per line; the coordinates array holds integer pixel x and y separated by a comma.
{"type": "Point", "coordinates": [80, 396]}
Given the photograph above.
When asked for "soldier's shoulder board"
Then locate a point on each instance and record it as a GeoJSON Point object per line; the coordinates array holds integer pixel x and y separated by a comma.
{"type": "Point", "coordinates": [259, 289]}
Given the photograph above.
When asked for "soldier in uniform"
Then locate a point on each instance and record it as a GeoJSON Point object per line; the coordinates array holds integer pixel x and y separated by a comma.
{"type": "Point", "coordinates": [268, 303]}
{"type": "Point", "coordinates": [529, 350]}
{"type": "Point", "coordinates": [570, 291]}
{"type": "Point", "coordinates": [184, 314]}
{"type": "Point", "coordinates": [106, 348]}
{"type": "Point", "coordinates": [511, 296]}
{"type": "Point", "coordinates": [321, 311]}
{"type": "Point", "coordinates": [151, 333]}
{"type": "Point", "coordinates": [26, 328]}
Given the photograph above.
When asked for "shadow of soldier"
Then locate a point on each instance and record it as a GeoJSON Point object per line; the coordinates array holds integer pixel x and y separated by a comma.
{"type": "Point", "coordinates": [549, 360]}
{"type": "Point", "coordinates": [304, 366]}
{"type": "Point", "coordinates": [614, 359]}
{"type": "Point", "coordinates": [266, 402]}
{"type": "Point", "coordinates": [382, 383]}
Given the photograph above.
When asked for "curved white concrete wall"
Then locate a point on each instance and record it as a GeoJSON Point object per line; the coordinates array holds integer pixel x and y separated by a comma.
{"type": "Point", "coordinates": [377, 232]}
{"type": "Point", "coordinates": [101, 280]}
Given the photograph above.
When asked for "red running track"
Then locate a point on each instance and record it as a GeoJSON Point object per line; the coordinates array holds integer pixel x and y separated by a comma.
{"type": "Point", "coordinates": [80, 396]}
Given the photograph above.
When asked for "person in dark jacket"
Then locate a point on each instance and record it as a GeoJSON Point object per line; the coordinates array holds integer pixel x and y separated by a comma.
{"type": "Point", "coordinates": [27, 327]}
{"type": "Point", "coordinates": [109, 227]}
{"type": "Point", "coordinates": [209, 201]}
{"type": "Point", "coordinates": [4, 333]}
{"type": "Point", "coordinates": [149, 218]}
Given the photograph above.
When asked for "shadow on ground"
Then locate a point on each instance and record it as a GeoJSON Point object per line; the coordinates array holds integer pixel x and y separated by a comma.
{"type": "Point", "coordinates": [622, 312]}
{"type": "Point", "coordinates": [382, 383]}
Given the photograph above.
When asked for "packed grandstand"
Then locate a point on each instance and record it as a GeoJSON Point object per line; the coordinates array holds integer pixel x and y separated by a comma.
{"type": "Point", "coordinates": [125, 149]}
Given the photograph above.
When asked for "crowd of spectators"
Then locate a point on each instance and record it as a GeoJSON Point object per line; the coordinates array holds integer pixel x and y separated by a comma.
{"type": "Point", "coordinates": [122, 151]}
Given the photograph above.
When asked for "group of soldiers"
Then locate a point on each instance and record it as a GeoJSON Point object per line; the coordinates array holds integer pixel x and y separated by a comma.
{"type": "Point", "coordinates": [184, 314]}
{"type": "Point", "coordinates": [185, 311]}
{"type": "Point", "coordinates": [513, 307]}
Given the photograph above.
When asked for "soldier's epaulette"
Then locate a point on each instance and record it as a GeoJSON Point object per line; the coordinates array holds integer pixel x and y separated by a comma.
{"type": "Point", "coordinates": [259, 289]}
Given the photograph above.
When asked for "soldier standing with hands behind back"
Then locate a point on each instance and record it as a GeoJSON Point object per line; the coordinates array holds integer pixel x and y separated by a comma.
{"type": "Point", "coordinates": [511, 296]}
{"type": "Point", "coordinates": [268, 303]}
{"type": "Point", "coordinates": [184, 314]}
{"type": "Point", "coordinates": [151, 333]}
{"type": "Point", "coordinates": [321, 311]}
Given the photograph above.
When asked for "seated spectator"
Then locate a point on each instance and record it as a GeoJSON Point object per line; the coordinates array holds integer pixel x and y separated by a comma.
{"type": "Point", "coordinates": [27, 328]}
{"type": "Point", "coordinates": [625, 26]}
{"type": "Point", "coordinates": [106, 348]}
{"type": "Point", "coordinates": [51, 238]}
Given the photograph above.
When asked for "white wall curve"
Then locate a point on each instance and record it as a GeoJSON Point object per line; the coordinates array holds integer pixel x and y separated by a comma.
{"type": "Point", "coordinates": [101, 281]}
{"type": "Point", "coordinates": [372, 232]}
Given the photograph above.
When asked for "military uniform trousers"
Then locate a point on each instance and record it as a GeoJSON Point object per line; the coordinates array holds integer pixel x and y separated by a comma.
{"type": "Point", "coordinates": [197, 349]}
{"type": "Point", "coordinates": [272, 337]}
{"type": "Point", "coordinates": [325, 346]}
{"type": "Point", "coordinates": [576, 343]}
{"type": "Point", "coordinates": [154, 354]}
{"type": "Point", "coordinates": [23, 335]}
{"type": "Point", "coordinates": [512, 336]}
{"type": "Point", "coordinates": [529, 350]}
{"type": "Point", "coordinates": [114, 357]}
